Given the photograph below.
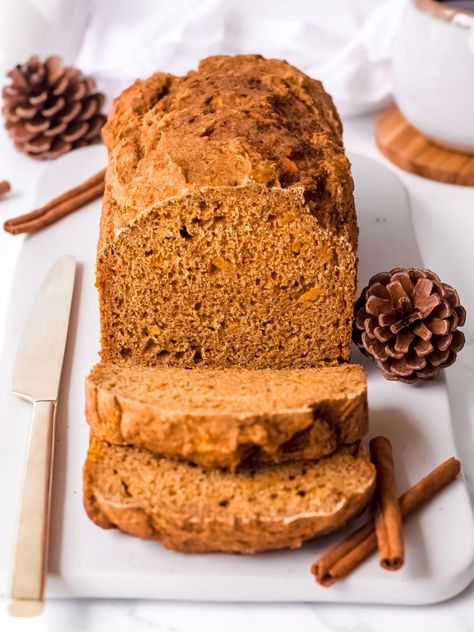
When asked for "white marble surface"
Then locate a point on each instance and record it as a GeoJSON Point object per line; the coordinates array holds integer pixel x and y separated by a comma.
{"type": "Point", "coordinates": [444, 221]}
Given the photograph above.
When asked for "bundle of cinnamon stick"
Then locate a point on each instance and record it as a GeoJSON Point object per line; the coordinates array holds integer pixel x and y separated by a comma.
{"type": "Point", "coordinates": [384, 532]}
{"type": "Point", "coordinates": [59, 207]}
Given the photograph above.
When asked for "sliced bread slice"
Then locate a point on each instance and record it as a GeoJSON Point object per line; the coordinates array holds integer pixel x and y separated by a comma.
{"type": "Point", "coordinates": [219, 417]}
{"type": "Point", "coordinates": [192, 509]}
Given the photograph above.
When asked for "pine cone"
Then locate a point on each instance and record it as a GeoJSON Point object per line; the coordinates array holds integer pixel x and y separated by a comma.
{"type": "Point", "coordinates": [407, 320]}
{"type": "Point", "coordinates": [50, 109]}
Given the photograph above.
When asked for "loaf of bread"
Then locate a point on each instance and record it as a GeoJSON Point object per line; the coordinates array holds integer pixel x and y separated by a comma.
{"type": "Point", "coordinates": [228, 246]}
{"type": "Point", "coordinates": [192, 509]}
{"type": "Point", "coordinates": [228, 234]}
{"type": "Point", "coordinates": [220, 417]}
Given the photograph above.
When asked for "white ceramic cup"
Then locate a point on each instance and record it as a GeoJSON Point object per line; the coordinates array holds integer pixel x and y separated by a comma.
{"type": "Point", "coordinates": [433, 65]}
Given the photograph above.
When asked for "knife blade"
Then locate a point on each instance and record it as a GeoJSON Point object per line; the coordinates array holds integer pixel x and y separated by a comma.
{"type": "Point", "coordinates": [36, 377]}
{"type": "Point", "coordinates": [40, 354]}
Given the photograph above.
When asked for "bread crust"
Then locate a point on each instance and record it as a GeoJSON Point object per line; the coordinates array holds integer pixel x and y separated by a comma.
{"type": "Point", "coordinates": [235, 121]}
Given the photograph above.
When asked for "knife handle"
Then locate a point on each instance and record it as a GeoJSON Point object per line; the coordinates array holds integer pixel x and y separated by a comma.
{"type": "Point", "coordinates": [30, 553]}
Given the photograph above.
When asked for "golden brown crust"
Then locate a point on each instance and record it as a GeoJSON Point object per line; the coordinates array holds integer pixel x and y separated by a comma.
{"type": "Point", "coordinates": [190, 510]}
{"type": "Point", "coordinates": [302, 414]}
{"type": "Point", "coordinates": [235, 121]}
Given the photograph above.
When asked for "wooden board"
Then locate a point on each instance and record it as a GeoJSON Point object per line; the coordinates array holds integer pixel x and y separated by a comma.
{"type": "Point", "coordinates": [406, 147]}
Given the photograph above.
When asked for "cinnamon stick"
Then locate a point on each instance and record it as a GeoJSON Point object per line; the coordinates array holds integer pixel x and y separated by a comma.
{"type": "Point", "coordinates": [388, 519]}
{"type": "Point", "coordinates": [57, 208]}
{"type": "Point", "coordinates": [4, 187]}
{"type": "Point", "coordinates": [348, 554]}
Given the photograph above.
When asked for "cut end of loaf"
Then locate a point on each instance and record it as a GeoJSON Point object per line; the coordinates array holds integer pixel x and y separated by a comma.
{"type": "Point", "coordinates": [228, 277]}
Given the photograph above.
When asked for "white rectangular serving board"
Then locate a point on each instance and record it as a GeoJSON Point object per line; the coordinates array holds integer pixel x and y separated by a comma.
{"type": "Point", "coordinates": [86, 561]}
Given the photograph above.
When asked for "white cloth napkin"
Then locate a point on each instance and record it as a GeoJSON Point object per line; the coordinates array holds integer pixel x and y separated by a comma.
{"type": "Point", "coordinates": [346, 43]}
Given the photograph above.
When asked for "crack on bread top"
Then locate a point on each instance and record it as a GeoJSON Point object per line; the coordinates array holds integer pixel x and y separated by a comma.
{"type": "Point", "coordinates": [235, 121]}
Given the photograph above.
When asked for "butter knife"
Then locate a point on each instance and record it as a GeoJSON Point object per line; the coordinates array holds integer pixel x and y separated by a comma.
{"type": "Point", "coordinates": [36, 378]}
